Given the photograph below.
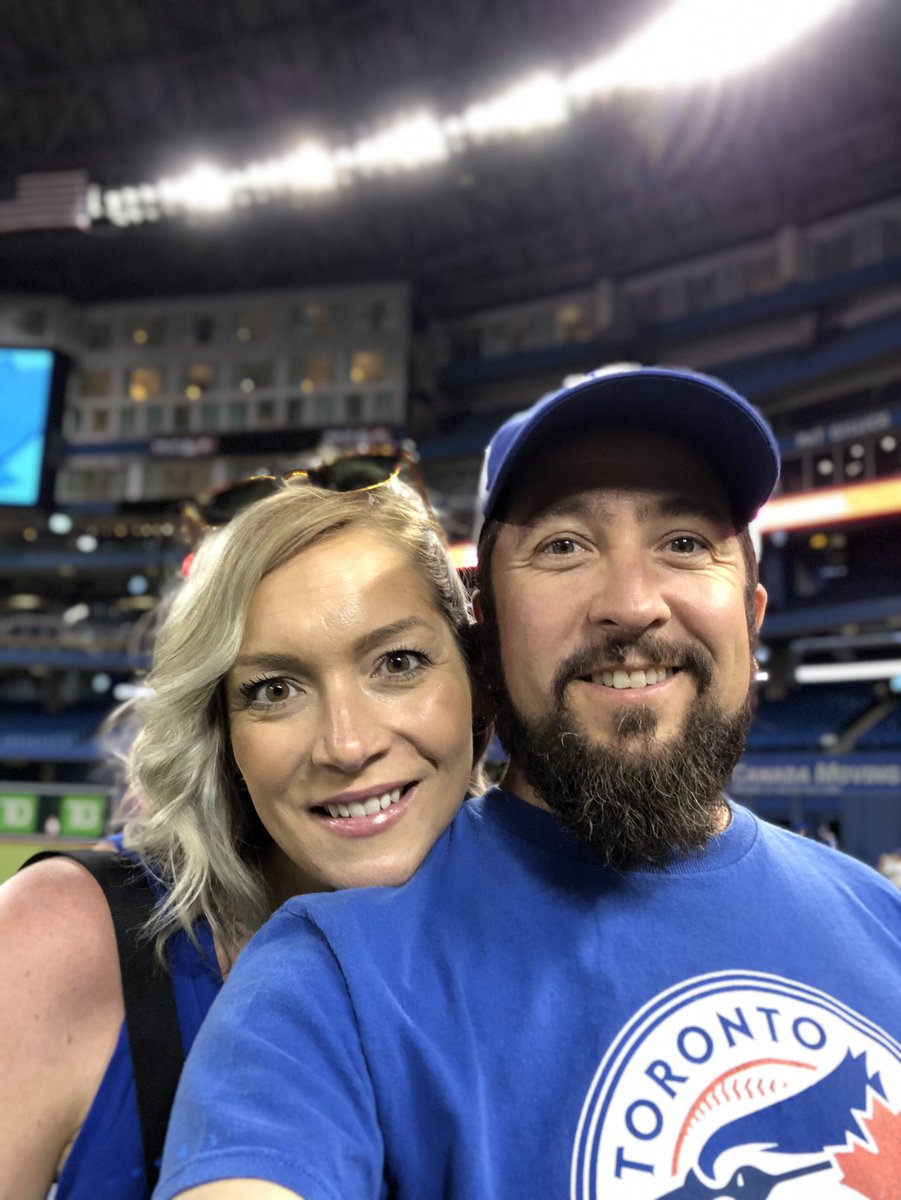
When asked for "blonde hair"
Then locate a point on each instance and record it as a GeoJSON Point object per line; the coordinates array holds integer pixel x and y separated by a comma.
{"type": "Point", "coordinates": [196, 827]}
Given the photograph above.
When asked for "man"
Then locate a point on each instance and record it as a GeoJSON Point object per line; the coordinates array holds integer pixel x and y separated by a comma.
{"type": "Point", "coordinates": [606, 982]}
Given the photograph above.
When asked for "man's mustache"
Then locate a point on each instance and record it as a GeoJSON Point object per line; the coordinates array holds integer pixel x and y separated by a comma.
{"type": "Point", "coordinates": [653, 651]}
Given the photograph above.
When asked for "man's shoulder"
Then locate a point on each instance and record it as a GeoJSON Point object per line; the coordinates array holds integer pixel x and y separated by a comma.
{"type": "Point", "coordinates": [358, 931]}
{"type": "Point", "coordinates": [452, 856]}
{"type": "Point", "coordinates": [827, 864]}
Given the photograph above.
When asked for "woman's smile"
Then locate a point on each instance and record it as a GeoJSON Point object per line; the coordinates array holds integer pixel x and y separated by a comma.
{"type": "Point", "coordinates": [367, 818]}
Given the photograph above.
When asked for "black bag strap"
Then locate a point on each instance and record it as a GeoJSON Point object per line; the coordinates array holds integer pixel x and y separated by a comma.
{"type": "Point", "coordinates": [151, 1013]}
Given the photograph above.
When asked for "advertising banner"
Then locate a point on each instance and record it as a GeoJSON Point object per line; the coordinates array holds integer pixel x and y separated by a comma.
{"type": "Point", "coordinates": [792, 776]}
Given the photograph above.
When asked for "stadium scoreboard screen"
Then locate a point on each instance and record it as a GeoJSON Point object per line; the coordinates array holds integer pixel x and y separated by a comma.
{"type": "Point", "coordinates": [31, 399]}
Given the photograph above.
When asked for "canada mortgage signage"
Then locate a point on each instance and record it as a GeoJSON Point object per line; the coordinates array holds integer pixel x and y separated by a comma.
{"type": "Point", "coordinates": [817, 775]}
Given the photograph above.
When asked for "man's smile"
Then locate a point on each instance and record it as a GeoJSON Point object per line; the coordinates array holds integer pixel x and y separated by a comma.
{"type": "Point", "coordinates": [621, 678]}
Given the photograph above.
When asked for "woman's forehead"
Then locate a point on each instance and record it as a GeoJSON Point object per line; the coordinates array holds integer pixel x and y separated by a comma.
{"type": "Point", "coordinates": [341, 573]}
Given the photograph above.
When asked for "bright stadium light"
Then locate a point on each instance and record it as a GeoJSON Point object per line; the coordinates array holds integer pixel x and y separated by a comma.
{"type": "Point", "coordinates": [205, 188]}
{"type": "Point", "coordinates": [410, 142]}
{"type": "Point", "coordinates": [847, 672]}
{"type": "Point", "coordinates": [692, 42]}
{"type": "Point", "coordinates": [538, 102]}
{"type": "Point", "coordinates": [701, 41]}
{"type": "Point", "coordinates": [311, 168]}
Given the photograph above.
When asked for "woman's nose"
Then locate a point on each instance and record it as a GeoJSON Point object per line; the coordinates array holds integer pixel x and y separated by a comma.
{"type": "Point", "coordinates": [351, 732]}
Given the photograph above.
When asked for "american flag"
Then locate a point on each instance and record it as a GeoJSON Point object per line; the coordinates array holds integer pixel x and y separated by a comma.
{"type": "Point", "coordinates": [50, 200]}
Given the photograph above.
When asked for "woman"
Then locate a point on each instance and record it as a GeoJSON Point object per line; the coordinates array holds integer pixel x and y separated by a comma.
{"type": "Point", "coordinates": [310, 727]}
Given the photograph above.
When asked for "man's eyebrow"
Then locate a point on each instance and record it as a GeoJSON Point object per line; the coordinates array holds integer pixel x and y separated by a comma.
{"type": "Point", "coordinates": [267, 660]}
{"type": "Point", "coordinates": [686, 506]}
{"type": "Point", "coordinates": [566, 506]}
{"type": "Point", "coordinates": [660, 506]}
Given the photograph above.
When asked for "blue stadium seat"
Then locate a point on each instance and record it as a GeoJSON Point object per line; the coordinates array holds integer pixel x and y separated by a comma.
{"type": "Point", "coordinates": [804, 718]}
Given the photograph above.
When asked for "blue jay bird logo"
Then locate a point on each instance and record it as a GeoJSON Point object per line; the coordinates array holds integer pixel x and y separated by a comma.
{"type": "Point", "coordinates": [743, 1086]}
{"type": "Point", "coordinates": [824, 1115]}
{"type": "Point", "coordinates": [747, 1183]}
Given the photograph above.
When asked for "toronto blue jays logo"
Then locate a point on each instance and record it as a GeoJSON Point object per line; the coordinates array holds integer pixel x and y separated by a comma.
{"type": "Point", "coordinates": [743, 1086]}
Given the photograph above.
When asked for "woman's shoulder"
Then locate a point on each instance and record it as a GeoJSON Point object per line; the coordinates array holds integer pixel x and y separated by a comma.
{"type": "Point", "coordinates": [56, 935]}
{"type": "Point", "coordinates": [53, 897]}
{"type": "Point", "coordinates": [61, 1007]}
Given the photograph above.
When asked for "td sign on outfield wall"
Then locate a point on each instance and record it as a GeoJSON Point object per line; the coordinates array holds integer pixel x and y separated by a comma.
{"type": "Point", "coordinates": [79, 816]}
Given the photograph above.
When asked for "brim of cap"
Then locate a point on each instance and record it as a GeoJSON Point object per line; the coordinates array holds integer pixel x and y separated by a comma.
{"type": "Point", "coordinates": [698, 411]}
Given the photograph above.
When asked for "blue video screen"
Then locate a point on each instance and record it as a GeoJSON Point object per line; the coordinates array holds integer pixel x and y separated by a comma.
{"type": "Point", "coordinates": [29, 408]}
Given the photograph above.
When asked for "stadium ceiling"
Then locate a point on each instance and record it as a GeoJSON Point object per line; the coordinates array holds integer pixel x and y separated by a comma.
{"type": "Point", "coordinates": [130, 90]}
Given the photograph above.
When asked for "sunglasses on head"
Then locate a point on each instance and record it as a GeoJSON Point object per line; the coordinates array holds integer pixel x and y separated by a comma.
{"type": "Point", "coordinates": [358, 472]}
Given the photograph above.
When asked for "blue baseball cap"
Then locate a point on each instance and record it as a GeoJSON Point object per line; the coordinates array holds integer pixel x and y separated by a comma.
{"type": "Point", "coordinates": [697, 409]}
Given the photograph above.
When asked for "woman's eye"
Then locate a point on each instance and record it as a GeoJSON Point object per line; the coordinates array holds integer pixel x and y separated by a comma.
{"type": "Point", "coordinates": [403, 662]}
{"type": "Point", "coordinates": [266, 693]}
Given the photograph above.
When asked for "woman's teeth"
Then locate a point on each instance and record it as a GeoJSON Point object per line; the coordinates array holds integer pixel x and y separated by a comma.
{"type": "Point", "coordinates": [634, 679]}
{"type": "Point", "coordinates": [373, 805]}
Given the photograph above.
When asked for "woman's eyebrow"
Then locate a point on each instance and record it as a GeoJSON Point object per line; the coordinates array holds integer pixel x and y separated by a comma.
{"type": "Point", "coordinates": [386, 633]}
{"type": "Point", "coordinates": [267, 660]}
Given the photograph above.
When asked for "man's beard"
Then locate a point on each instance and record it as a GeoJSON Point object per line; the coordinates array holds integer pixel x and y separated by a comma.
{"type": "Point", "coordinates": [635, 807]}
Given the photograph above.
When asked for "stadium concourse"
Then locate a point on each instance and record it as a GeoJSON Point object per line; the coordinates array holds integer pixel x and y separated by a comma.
{"type": "Point", "coordinates": [249, 241]}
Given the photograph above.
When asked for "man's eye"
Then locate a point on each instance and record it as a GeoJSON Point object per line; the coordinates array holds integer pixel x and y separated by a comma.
{"type": "Point", "coordinates": [561, 546]}
{"type": "Point", "coordinates": [685, 544]}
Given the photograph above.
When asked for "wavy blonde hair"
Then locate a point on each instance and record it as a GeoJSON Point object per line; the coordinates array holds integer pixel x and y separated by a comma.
{"type": "Point", "coordinates": [196, 827]}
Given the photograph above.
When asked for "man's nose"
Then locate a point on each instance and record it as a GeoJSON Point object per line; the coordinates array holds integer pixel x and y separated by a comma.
{"type": "Point", "coordinates": [351, 732]}
{"type": "Point", "coordinates": [628, 593]}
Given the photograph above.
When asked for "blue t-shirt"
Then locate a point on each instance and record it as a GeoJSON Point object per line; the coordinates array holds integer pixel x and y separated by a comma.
{"type": "Point", "coordinates": [107, 1159]}
{"type": "Point", "coordinates": [520, 1021]}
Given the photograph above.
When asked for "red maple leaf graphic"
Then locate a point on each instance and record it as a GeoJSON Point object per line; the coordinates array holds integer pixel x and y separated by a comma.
{"type": "Point", "coordinates": [875, 1173]}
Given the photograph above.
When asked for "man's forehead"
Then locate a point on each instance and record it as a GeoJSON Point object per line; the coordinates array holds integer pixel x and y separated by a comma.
{"type": "Point", "coordinates": [659, 471]}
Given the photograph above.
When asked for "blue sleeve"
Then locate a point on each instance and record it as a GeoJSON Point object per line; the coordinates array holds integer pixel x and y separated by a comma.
{"type": "Point", "coordinates": [276, 1086]}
